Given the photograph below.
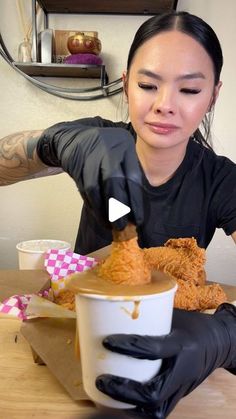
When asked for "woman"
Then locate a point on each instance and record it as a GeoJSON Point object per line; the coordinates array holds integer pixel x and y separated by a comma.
{"type": "Point", "coordinates": [163, 168]}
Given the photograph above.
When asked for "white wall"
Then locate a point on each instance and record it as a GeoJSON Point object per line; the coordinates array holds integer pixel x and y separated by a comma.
{"type": "Point", "coordinates": [221, 254]}
{"type": "Point", "coordinates": [50, 207]}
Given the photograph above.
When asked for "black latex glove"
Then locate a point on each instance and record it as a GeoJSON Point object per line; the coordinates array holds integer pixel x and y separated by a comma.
{"type": "Point", "coordinates": [103, 164]}
{"type": "Point", "coordinates": [197, 345]}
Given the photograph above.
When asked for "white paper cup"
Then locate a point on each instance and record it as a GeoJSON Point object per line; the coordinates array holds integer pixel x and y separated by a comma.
{"type": "Point", "coordinates": [31, 252]}
{"type": "Point", "coordinates": [99, 316]}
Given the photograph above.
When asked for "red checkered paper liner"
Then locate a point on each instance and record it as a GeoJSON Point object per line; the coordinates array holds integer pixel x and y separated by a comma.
{"type": "Point", "coordinates": [16, 305]}
{"type": "Point", "coordinates": [61, 263]}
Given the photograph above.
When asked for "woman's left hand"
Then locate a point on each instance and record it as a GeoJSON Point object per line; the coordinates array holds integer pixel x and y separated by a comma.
{"type": "Point", "coordinates": [197, 345]}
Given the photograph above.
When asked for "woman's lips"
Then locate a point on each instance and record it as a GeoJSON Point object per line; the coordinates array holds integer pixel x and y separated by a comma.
{"type": "Point", "coordinates": [162, 129]}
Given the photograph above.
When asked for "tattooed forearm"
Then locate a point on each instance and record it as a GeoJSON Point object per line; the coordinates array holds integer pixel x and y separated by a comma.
{"type": "Point", "coordinates": [19, 160]}
{"type": "Point", "coordinates": [31, 146]}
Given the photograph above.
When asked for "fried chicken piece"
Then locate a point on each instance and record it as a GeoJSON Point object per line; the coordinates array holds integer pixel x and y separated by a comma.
{"type": "Point", "coordinates": [190, 296]}
{"type": "Point", "coordinates": [186, 296]}
{"type": "Point", "coordinates": [65, 298]}
{"type": "Point", "coordinates": [180, 258]}
{"type": "Point", "coordinates": [211, 296]}
{"type": "Point", "coordinates": [126, 264]}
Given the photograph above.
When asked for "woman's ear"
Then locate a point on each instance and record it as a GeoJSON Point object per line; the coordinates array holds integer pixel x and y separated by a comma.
{"type": "Point", "coordinates": [125, 84]}
{"type": "Point", "coordinates": [215, 95]}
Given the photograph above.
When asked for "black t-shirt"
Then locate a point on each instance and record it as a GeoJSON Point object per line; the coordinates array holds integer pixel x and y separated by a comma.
{"type": "Point", "coordinates": [200, 197]}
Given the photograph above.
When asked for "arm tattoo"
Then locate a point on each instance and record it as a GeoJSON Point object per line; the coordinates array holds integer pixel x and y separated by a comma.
{"type": "Point", "coordinates": [31, 146]}
{"type": "Point", "coordinates": [19, 160]}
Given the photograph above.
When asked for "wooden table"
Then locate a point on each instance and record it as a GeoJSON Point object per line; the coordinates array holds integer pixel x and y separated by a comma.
{"type": "Point", "coordinates": [28, 390]}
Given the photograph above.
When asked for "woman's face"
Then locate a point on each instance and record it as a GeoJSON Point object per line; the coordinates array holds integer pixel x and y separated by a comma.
{"type": "Point", "coordinates": [170, 87]}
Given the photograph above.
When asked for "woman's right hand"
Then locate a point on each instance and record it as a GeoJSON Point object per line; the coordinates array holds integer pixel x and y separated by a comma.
{"type": "Point", "coordinates": [197, 344]}
{"type": "Point", "coordinates": [103, 164]}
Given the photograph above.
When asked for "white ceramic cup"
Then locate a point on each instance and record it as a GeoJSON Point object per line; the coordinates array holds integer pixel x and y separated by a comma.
{"type": "Point", "coordinates": [31, 252]}
{"type": "Point", "coordinates": [99, 316]}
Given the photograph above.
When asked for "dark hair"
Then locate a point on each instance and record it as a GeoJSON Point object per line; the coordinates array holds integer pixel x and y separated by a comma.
{"type": "Point", "coordinates": [193, 26]}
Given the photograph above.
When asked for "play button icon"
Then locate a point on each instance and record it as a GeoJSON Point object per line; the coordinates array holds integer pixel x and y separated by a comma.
{"type": "Point", "coordinates": [116, 209]}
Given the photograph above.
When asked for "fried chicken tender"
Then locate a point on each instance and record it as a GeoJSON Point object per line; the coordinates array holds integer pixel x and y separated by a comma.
{"type": "Point", "coordinates": [211, 296]}
{"type": "Point", "coordinates": [126, 264]}
{"type": "Point", "coordinates": [184, 260]}
{"type": "Point", "coordinates": [186, 296]}
{"type": "Point", "coordinates": [66, 298]}
{"type": "Point", "coordinates": [180, 258]}
{"type": "Point", "coordinates": [190, 296]}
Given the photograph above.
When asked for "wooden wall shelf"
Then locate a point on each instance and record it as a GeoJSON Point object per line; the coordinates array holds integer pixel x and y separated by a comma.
{"type": "Point", "coordinates": [63, 70]}
{"type": "Point", "coordinates": [140, 7]}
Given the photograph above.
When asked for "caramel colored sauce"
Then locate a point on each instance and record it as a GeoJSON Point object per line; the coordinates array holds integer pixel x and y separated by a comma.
{"type": "Point", "coordinates": [88, 282]}
{"type": "Point", "coordinates": [135, 313]}
{"type": "Point", "coordinates": [77, 347]}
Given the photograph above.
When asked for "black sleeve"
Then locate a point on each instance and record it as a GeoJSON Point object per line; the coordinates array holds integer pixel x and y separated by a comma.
{"type": "Point", "coordinates": [225, 200]}
{"type": "Point", "coordinates": [96, 121]}
{"type": "Point", "coordinates": [47, 145]}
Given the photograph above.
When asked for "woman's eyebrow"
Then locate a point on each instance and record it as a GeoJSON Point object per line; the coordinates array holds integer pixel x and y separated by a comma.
{"type": "Point", "coordinates": [188, 76]}
{"type": "Point", "coordinates": [149, 73]}
{"type": "Point", "coordinates": [197, 75]}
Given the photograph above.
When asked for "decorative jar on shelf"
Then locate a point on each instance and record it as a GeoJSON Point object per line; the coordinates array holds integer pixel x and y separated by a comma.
{"type": "Point", "coordinates": [81, 43]}
{"type": "Point", "coordinates": [24, 52]}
